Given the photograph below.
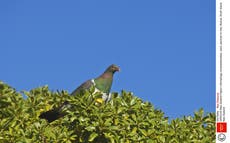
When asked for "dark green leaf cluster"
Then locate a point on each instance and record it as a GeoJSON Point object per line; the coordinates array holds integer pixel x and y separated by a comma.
{"type": "Point", "coordinates": [125, 119]}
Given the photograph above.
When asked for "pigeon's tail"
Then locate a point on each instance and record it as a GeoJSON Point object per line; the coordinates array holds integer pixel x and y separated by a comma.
{"type": "Point", "coordinates": [51, 115]}
{"type": "Point", "coordinates": [55, 114]}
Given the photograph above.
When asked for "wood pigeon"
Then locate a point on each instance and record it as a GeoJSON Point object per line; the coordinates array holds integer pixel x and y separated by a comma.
{"type": "Point", "coordinates": [102, 83]}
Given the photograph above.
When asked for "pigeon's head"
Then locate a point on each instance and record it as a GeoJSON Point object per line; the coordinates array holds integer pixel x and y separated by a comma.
{"type": "Point", "coordinates": [112, 68]}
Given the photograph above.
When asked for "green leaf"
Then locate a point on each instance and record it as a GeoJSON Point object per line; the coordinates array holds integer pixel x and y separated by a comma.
{"type": "Point", "coordinates": [92, 136]}
{"type": "Point", "coordinates": [143, 132]}
{"type": "Point", "coordinates": [90, 128]}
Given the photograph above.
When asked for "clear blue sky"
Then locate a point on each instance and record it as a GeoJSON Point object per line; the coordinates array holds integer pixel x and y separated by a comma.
{"type": "Point", "coordinates": [166, 49]}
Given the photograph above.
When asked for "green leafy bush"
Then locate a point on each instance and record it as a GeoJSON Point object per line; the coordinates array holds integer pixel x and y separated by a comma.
{"type": "Point", "coordinates": [125, 119]}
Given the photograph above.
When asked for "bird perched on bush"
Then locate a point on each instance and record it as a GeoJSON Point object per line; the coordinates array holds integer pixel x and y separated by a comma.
{"type": "Point", "coordinates": [102, 83]}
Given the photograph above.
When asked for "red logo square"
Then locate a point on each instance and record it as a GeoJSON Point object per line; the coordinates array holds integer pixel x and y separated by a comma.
{"type": "Point", "coordinates": [221, 127]}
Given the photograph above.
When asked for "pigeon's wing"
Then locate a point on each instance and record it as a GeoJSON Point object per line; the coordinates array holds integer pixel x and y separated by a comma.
{"type": "Point", "coordinates": [83, 86]}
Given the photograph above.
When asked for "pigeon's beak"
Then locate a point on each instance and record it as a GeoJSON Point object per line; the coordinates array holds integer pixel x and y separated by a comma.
{"type": "Point", "coordinates": [115, 68]}
{"type": "Point", "coordinates": [118, 69]}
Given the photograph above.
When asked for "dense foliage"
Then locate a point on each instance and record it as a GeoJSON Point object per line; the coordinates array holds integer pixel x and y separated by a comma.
{"type": "Point", "coordinates": [125, 119]}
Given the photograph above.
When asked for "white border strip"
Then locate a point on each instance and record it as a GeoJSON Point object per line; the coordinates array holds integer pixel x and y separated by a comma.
{"type": "Point", "coordinates": [222, 69]}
